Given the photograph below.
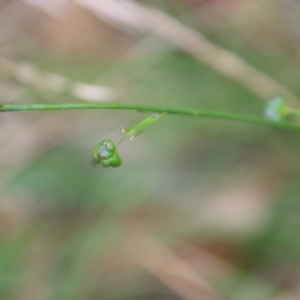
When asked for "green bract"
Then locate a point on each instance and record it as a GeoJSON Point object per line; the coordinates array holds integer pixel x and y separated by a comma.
{"type": "Point", "coordinates": [106, 154]}
{"type": "Point", "coordinates": [276, 109]}
{"type": "Point", "coordinates": [133, 131]}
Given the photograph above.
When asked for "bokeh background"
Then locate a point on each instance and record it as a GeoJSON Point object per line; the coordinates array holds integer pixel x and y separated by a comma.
{"type": "Point", "coordinates": [200, 208]}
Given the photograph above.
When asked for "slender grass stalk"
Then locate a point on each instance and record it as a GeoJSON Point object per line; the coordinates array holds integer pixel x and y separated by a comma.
{"type": "Point", "coordinates": [149, 108]}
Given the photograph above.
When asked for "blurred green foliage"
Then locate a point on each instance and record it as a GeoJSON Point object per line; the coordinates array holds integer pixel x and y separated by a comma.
{"type": "Point", "coordinates": [83, 213]}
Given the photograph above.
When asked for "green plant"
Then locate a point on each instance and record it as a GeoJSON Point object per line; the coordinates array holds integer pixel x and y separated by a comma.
{"type": "Point", "coordinates": [106, 154]}
{"type": "Point", "coordinates": [277, 114]}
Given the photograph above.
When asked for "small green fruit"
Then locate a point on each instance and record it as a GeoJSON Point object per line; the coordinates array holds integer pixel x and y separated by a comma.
{"type": "Point", "coordinates": [106, 154]}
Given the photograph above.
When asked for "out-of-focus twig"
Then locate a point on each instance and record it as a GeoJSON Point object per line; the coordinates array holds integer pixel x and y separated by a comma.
{"type": "Point", "coordinates": [170, 269]}
{"type": "Point", "coordinates": [29, 75]}
{"type": "Point", "coordinates": [127, 14]}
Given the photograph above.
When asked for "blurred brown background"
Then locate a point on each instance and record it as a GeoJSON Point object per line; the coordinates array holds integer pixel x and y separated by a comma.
{"type": "Point", "coordinates": [200, 208]}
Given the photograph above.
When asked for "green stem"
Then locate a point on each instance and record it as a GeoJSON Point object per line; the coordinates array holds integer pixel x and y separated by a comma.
{"type": "Point", "coordinates": [135, 130]}
{"type": "Point", "coordinates": [150, 108]}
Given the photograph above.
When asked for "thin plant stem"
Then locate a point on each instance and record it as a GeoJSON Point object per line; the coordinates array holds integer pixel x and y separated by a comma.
{"type": "Point", "coordinates": [150, 108]}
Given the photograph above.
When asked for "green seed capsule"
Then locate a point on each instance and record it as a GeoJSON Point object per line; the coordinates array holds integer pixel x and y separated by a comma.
{"type": "Point", "coordinates": [106, 154]}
